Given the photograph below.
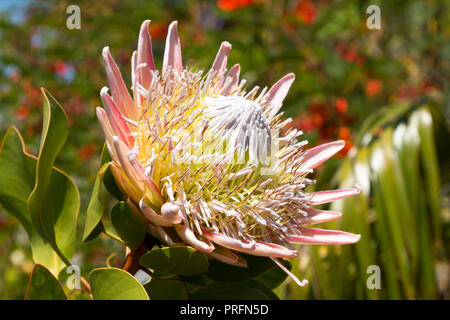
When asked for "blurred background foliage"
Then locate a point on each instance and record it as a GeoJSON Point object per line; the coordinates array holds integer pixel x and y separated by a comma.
{"type": "Point", "coordinates": [385, 92]}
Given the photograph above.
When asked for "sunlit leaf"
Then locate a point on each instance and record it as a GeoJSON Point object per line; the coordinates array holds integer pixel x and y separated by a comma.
{"type": "Point", "coordinates": [115, 284]}
{"type": "Point", "coordinates": [79, 294]}
{"type": "Point", "coordinates": [44, 286]}
{"type": "Point", "coordinates": [95, 208]}
{"type": "Point", "coordinates": [54, 202]}
{"type": "Point", "coordinates": [17, 176]}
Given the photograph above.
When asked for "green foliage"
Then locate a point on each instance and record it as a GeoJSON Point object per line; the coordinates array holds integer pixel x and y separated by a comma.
{"type": "Point", "coordinates": [396, 214]}
{"type": "Point", "coordinates": [257, 266]}
{"type": "Point", "coordinates": [44, 286]}
{"type": "Point", "coordinates": [115, 284]}
{"type": "Point", "coordinates": [128, 225]}
{"type": "Point", "coordinates": [166, 289]}
{"type": "Point", "coordinates": [54, 202]}
{"type": "Point", "coordinates": [180, 260]}
{"type": "Point", "coordinates": [79, 295]}
{"type": "Point", "coordinates": [17, 180]}
{"type": "Point", "coordinates": [247, 290]}
{"type": "Point", "coordinates": [173, 271]}
{"type": "Point", "coordinates": [95, 208]}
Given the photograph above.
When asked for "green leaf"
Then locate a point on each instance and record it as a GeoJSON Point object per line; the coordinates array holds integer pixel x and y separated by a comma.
{"type": "Point", "coordinates": [17, 176]}
{"type": "Point", "coordinates": [79, 294]}
{"type": "Point", "coordinates": [17, 173]}
{"type": "Point", "coordinates": [274, 277]}
{"type": "Point", "coordinates": [179, 260]}
{"type": "Point", "coordinates": [219, 271]}
{"type": "Point", "coordinates": [98, 215]}
{"type": "Point", "coordinates": [44, 286]}
{"type": "Point", "coordinates": [166, 289]}
{"type": "Point", "coordinates": [108, 178]}
{"type": "Point", "coordinates": [198, 280]}
{"type": "Point", "coordinates": [55, 201]}
{"type": "Point", "coordinates": [128, 225]}
{"type": "Point", "coordinates": [95, 208]}
{"type": "Point", "coordinates": [115, 284]}
{"type": "Point", "coordinates": [247, 290]}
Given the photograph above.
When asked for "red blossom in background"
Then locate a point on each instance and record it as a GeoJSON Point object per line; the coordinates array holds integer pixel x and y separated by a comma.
{"type": "Point", "coordinates": [86, 152]}
{"type": "Point", "coordinates": [60, 68]}
{"type": "Point", "coordinates": [23, 112]}
{"type": "Point", "coordinates": [330, 121]}
{"type": "Point", "coordinates": [158, 30]}
{"type": "Point", "coordinates": [373, 87]}
{"type": "Point", "coordinates": [306, 11]}
{"type": "Point", "coordinates": [231, 5]}
{"type": "Point", "coordinates": [341, 105]}
{"type": "Point", "coordinates": [344, 133]}
{"type": "Point", "coordinates": [350, 53]}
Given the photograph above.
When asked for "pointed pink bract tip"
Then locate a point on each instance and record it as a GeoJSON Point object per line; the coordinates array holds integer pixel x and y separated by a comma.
{"type": "Point", "coordinates": [290, 76]}
{"type": "Point", "coordinates": [226, 44]}
{"type": "Point", "coordinates": [106, 52]}
{"type": "Point", "coordinates": [173, 24]}
{"type": "Point", "coordinates": [104, 91]}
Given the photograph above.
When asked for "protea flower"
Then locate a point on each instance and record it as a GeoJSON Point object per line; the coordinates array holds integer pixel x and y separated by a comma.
{"type": "Point", "coordinates": [202, 161]}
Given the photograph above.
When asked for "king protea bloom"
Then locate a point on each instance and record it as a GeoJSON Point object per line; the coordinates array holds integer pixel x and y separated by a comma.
{"type": "Point", "coordinates": [207, 163]}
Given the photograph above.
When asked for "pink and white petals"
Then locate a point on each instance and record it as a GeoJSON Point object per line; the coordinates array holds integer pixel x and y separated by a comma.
{"type": "Point", "coordinates": [316, 216]}
{"type": "Point", "coordinates": [107, 130]}
{"type": "Point", "coordinates": [124, 184]}
{"type": "Point", "coordinates": [266, 249]}
{"type": "Point", "coordinates": [277, 94]}
{"type": "Point", "coordinates": [152, 216]}
{"type": "Point", "coordinates": [115, 118]}
{"type": "Point", "coordinates": [135, 173]}
{"type": "Point", "coordinates": [321, 197]}
{"type": "Point", "coordinates": [158, 103]}
{"type": "Point", "coordinates": [228, 242]}
{"type": "Point", "coordinates": [172, 51]}
{"type": "Point", "coordinates": [314, 157]}
{"type": "Point", "coordinates": [321, 236]}
{"type": "Point", "coordinates": [220, 63]}
{"type": "Point", "coordinates": [189, 237]}
{"type": "Point", "coordinates": [145, 54]}
{"type": "Point", "coordinates": [227, 256]}
{"type": "Point", "coordinates": [171, 212]}
{"type": "Point", "coordinates": [233, 75]}
{"type": "Point", "coordinates": [118, 89]}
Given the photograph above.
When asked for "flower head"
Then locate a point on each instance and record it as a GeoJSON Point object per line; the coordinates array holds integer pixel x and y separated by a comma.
{"type": "Point", "coordinates": [202, 161]}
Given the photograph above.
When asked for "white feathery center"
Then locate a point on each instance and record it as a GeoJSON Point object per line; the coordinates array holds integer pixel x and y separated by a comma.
{"type": "Point", "coordinates": [241, 124]}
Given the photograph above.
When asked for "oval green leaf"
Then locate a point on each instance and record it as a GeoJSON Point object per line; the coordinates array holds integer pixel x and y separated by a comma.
{"type": "Point", "coordinates": [44, 286]}
{"type": "Point", "coordinates": [166, 289]}
{"type": "Point", "coordinates": [179, 260]}
{"type": "Point", "coordinates": [79, 294]}
{"type": "Point", "coordinates": [247, 290]}
{"type": "Point", "coordinates": [115, 284]}
{"type": "Point", "coordinates": [128, 225]}
{"type": "Point", "coordinates": [219, 271]}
